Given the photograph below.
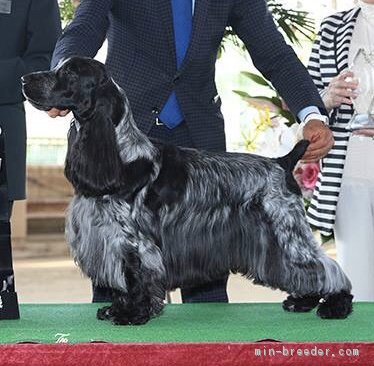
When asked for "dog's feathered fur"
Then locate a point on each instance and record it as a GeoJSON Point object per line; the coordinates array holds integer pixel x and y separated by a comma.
{"type": "Point", "coordinates": [148, 216]}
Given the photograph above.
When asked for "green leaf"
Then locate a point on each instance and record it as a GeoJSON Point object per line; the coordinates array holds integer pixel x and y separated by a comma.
{"type": "Point", "coordinates": [245, 95]}
{"type": "Point", "coordinates": [67, 10]}
{"type": "Point", "coordinates": [277, 101]}
{"type": "Point", "coordinates": [292, 23]}
{"type": "Point", "coordinates": [256, 78]}
{"type": "Point", "coordinates": [288, 116]}
{"type": "Point", "coordinates": [271, 103]}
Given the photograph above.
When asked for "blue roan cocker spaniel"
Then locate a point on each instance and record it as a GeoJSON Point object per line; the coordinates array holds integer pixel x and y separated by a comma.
{"type": "Point", "coordinates": [148, 217]}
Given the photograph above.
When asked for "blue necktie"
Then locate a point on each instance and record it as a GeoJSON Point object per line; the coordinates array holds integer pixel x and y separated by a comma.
{"type": "Point", "coordinates": [171, 114]}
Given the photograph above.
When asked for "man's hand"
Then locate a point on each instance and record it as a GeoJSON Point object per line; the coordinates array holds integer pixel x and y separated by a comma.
{"type": "Point", "coordinates": [54, 112]}
{"type": "Point", "coordinates": [321, 140]}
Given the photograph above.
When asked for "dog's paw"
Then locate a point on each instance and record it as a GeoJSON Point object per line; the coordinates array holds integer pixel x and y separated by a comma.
{"type": "Point", "coordinates": [336, 306]}
{"type": "Point", "coordinates": [122, 317]}
{"type": "Point", "coordinates": [300, 304]}
{"type": "Point", "coordinates": [125, 319]}
{"type": "Point", "coordinates": [104, 313]}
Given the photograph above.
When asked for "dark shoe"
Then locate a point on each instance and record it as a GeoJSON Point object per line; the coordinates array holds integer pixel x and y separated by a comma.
{"type": "Point", "coordinates": [209, 292]}
{"type": "Point", "coordinates": [101, 294]}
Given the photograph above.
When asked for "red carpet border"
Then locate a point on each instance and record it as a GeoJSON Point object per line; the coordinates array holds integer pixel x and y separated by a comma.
{"type": "Point", "coordinates": [183, 354]}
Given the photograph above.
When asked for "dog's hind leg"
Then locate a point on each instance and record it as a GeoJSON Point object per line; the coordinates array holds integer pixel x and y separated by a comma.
{"type": "Point", "coordinates": [337, 297]}
{"type": "Point", "coordinates": [296, 264]}
{"type": "Point", "coordinates": [333, 302]}
{"type": "Point", "coordinates": [332, 294]}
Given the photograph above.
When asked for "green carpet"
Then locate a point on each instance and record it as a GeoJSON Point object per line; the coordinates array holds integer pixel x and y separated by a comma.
{"type": "Point", "coordinates": [188, 323]}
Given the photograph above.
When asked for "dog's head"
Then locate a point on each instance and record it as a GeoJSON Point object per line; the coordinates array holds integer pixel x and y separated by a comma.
{"type": "Point", "coordinates": [93, 163]}
{"type": "Point", "coordinates": [82, 85]}
{"type": "Point", "coordinates": [78, 84]}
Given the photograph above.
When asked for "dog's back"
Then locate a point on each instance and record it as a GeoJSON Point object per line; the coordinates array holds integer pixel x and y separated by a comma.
{"type": "Point", "coordinates": [217, 209]}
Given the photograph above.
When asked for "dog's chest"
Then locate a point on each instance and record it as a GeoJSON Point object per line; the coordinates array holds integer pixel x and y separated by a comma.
{"type": "Point", "coordinates": [96, 227]}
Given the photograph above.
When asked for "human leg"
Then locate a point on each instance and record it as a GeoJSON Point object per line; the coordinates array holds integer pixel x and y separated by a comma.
{"type": "Point", "coordinates": [354, 225]}
{"type": "Point", "coordinates": [209, 292]}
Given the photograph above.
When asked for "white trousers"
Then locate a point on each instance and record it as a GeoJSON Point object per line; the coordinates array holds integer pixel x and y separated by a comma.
{"type": "Point", "coordinates": [354, 225]}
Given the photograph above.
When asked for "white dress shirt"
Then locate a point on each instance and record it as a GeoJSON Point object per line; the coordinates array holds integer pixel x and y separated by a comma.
{"type": "Point", "coordinates": [363, 34]}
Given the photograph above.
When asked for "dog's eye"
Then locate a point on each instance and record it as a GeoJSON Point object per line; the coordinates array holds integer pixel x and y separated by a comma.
{"type": "Point", "coordinates": [67, 74]}
{"type": "Point", "coordinates": [68, 94]}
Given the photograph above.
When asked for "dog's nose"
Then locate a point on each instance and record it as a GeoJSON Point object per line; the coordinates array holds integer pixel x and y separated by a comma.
{"type": "Point", "coordinates": [25, 78]}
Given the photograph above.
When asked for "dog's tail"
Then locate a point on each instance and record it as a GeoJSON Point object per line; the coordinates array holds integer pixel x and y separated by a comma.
{"type": "Point", "coordinates": [288, 162]}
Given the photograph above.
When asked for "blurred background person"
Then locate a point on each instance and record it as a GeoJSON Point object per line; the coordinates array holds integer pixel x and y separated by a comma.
{"type": "Point", "coordinates": [29, 30]}
{"type": "Point", "coordinates": [343, 201]}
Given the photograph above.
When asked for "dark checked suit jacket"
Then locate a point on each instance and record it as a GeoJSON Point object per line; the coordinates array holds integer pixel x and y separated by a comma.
{"type": "Point", "coordinates": [141, 57]}
{"type": "Point", "coordinates": [27, 38]}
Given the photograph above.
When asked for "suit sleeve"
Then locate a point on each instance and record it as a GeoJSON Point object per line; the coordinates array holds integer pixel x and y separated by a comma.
{"type": "Point", "coordinates": [86, 33]}
{"type": "Point", "coordinates": [276, 60]}
{"type": "Point", "coordinates": [42, 31]}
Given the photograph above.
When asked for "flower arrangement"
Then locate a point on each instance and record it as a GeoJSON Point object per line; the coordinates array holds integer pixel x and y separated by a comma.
{"type": "Point", "coordinates": [259, 125]}
{"type": "Point", "coordinates": [273, 132]}
{"type": "Point", "coordinates": [263, 131]}
{"type": "Point", "coordinates": [306, 175]}
{"type": "Point", "coordinates": [268, 134]}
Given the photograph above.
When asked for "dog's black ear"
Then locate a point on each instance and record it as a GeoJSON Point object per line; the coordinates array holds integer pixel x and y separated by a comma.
{"type": "Point", "coordinates": [99, 71]}
{"type": "Point", "coordinates": [103, 78]}
{"type": "Point", "coordinates": [93, 164]}
{"type": "Point", "coordinates": [110, 101]}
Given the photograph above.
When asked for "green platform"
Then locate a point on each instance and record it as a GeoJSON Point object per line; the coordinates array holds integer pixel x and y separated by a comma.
{"type": "Point", "coordinates": [188, 323]}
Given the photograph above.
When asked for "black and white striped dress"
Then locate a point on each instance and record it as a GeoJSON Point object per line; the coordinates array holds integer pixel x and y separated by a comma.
{"type": "Point", "coordinates": [328, 59]}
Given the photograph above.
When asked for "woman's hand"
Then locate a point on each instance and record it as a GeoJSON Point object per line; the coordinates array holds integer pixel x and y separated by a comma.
{"type": "Point", "coordinates": [340, 90]}
{"type": "Point", "coordinates": [364, 132]}
{"type": "Point", "coordinates": [54, 112]}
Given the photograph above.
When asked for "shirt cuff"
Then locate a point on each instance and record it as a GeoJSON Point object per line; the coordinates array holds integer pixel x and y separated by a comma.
{"type": "Point", "coordinates": [306, 111]}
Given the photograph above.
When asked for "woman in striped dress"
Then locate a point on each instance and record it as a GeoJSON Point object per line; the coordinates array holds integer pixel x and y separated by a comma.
{"type": "Point", "coordinates": [343, 201]}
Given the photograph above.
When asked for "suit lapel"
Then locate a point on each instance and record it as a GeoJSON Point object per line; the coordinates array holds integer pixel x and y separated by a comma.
{"type": "Point", "coordinates": [199, 19]}
{"type": "Point", "coordinates": [198, 24]}
{"type": "Point", "coordinates": [166, 16]}
{"type": "Point", "coordinates": [343, 39]}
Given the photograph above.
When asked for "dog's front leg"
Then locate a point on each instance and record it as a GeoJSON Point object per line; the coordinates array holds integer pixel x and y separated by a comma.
{"type": "Point", "coordinates": [144, 298]}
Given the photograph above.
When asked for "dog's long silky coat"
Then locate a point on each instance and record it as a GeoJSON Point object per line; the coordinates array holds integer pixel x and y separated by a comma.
{"type": "Point", "coordinates": [148, 216]}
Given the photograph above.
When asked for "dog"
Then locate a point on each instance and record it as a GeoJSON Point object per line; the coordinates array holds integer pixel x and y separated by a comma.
{"type": "Point", "coordinates": [148, 217]}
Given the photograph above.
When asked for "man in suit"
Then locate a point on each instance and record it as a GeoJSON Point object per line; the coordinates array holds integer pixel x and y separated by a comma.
{"type": "Point", "coordinates": [29, 30]}
{"type": "Point", "coordinates": [163, 53]}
